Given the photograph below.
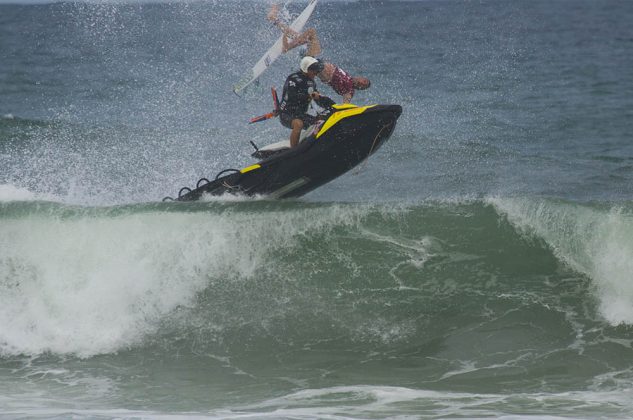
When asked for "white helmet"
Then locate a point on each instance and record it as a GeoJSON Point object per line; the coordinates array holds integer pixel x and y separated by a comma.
{"type": "Point", "coordinates": [307, 62]}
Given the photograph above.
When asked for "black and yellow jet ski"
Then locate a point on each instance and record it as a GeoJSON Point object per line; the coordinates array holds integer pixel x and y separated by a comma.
{"type": "Point", "coordinates": [348, 136]}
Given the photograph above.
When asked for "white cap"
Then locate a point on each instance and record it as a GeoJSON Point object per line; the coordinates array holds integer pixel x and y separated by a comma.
{"type": "Point", "coordinates": [306, 62]}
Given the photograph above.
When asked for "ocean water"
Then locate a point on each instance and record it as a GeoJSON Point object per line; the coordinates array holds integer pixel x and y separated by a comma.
{"type": "Point", "coordinates": [479, 265]}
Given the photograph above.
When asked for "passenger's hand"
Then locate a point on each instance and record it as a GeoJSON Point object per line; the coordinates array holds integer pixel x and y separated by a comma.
{"type": "Point", "coordinates": [315, 95]}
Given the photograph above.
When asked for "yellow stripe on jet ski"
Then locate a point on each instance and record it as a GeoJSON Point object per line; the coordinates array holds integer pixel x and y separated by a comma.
{"type": "Point", "coordinates": [348, 111]}
{"type": "Point", "coordinates": [250, 168]}
{"type": "Point", "coordinates": [341, 107]}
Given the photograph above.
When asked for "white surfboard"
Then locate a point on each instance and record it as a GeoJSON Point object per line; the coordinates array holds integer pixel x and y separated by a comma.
{"type": "Point", "coordinates": [275, 51]}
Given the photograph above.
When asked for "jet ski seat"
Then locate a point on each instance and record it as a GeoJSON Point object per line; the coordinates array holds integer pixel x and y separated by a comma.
{"type": "Point", "coordinates": [274, 148]}
{"type": "Point", "coordinates": [271, 149]}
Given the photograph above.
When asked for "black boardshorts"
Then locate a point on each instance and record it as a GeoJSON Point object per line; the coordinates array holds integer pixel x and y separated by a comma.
{"type": "Point", "coordinates": [286, 119]}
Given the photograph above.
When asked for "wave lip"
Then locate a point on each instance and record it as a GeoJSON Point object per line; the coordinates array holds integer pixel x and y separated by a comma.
{"type": "Point", "coordinates": [594, 240]}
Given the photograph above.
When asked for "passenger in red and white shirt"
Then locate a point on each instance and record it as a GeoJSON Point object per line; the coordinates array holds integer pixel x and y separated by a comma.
{"type": "Point", "coordinates": [332, 75]}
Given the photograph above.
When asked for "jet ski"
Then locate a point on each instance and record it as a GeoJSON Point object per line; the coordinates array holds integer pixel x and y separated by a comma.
{"type": "Point", "coordinates": [347, 136]}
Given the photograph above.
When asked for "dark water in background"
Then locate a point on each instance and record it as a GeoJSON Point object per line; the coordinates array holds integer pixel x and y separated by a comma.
{"type": "Point", "coordinates": [478, 265]}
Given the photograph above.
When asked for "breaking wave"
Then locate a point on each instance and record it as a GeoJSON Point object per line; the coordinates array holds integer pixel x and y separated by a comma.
{"type": "Point", "coordinates": [89, 281]}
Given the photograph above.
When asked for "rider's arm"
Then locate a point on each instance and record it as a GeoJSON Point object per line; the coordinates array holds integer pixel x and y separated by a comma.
{"type": "Point", "coordinates": [324, 101]}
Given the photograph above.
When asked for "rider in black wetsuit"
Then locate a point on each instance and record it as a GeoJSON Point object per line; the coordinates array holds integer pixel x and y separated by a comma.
{"type": "Point", "coordinates": [299, 90]}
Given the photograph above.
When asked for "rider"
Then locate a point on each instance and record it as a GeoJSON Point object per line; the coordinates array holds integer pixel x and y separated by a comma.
{"type": "Point", "coordinates": [342, 83]}
{"type": "Point", "coordinates": [299, 90]}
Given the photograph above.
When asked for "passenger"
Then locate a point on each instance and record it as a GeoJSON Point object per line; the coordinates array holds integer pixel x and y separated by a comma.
{"type": "Point", "coordinates": [299, 89]}
{"type": "Point", "coordinates": [332, 75]}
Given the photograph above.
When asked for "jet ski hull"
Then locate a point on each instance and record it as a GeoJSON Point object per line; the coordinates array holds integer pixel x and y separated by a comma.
{"type": "Point", "coordinates": [346, 139]}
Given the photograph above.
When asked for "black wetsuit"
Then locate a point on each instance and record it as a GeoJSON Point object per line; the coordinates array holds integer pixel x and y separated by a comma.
{"type": "Point", "coordinates": [296, 99]}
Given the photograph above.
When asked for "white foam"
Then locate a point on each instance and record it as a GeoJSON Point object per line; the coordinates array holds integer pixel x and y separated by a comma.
{"type": "Point", "coordinates": [367, 401]}
{"type": "Point", "coordinates": [85, 286]}
{"type": "Point", "coordinates": [97, 283]}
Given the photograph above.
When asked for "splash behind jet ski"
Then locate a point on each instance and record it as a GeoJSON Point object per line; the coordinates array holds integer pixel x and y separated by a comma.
{"type": "Point", "coordinates": [348, 136]}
